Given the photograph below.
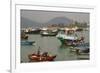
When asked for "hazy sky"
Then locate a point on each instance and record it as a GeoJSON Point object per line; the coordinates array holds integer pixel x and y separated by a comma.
{"type": "Point", "coordinates": [45, 16]}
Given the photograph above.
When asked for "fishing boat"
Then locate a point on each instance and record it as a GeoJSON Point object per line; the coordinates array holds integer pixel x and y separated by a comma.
{"type": "Point", "coordinates": [32, 31]}
{"type": "Point", "coordinates": [27, 42]}
{"type": "Point", "coordinates": [82, 53]}
{"type": "Point", "coordinates": [23, 36]}
{"type": "Point", "coordinates": [81, 49]}
{"type": "Point", "coordinates": [79, 29]}
{"type": "Point", "coordinates": [48, 33]}
{"type": "Point", "coordinates": [37, 57]}
{"type": "Point", "coordinates": [69, 39]}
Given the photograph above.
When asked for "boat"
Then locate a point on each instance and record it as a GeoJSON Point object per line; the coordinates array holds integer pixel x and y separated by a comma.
{"type": "Point", "coordinates": [48, 33]}
{"type": "Point", "coordinates": [70, 39]}
{"type": "Point", "coordinates": [82, 49]}
{"type": "Point", "coordinates": [27, 42]}
{"type": "Point", "coordinates": [33, 31]}
{"type": "Point", "coordinates": [24, 36]}
{"type": "Point", "coordinates": [82, 53]}
{"type": "Point", "coordinates": [86, 45]}
{"type": "Point", "coordinates": [37, 57]}
{"type": "Point", "coordinates": [79, 29]}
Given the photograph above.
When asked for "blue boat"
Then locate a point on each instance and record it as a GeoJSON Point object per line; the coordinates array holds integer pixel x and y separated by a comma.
{"type": "Point", "coordinates": [86, 45]}
{"type": "Point", "coordinates": [83, 47]}
{"type": "Point", "coordinates": [27, 42]}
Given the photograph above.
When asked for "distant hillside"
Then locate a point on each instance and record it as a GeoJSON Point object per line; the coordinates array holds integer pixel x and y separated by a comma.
{"type": "Point", "coordinates": [58, 20]}
{"type": "Point", "coordinates": [29, 23]}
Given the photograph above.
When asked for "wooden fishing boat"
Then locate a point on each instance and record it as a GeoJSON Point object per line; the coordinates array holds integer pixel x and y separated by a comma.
{"type": "Point", "coordinates": [33, 31]}
{"type": "Point", "coordinates": [41, 57]}
{"type": "Point", "coordinates": [81, 49]}
{"type": "Point", "coordinates": [47, 33]}
{"type": "Point", "coordinates": [24, 36]}
{"type": "Point", "coordinates": [70, 40]}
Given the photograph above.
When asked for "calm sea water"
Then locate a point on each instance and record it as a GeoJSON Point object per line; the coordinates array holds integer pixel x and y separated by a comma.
{"type": "Point", "coordinates": [51, 45]}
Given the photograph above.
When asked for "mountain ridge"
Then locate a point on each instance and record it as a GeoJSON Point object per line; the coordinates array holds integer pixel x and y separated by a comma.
{"type": "Point", "coordinates": [57, 20]}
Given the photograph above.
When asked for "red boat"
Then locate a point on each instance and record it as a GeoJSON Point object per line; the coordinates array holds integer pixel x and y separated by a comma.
{"type": "Point", "coordinates": [41, 57]}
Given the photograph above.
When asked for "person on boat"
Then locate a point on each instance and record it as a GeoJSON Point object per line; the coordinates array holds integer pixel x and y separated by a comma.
{"type": "Point", "coordinates": [45, 54]}
{"type": "Point", "coordinates": [38, 52]}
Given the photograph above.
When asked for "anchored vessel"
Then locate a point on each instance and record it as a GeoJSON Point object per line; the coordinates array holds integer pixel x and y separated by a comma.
{"type": "Point", "coordinates": [23, 36]}
{"type": "Point", "coordinates": [33, 31]}
{"type": "Point", "coordinates": [48, 33]}
{"type": "Point", "coordinates": [37, 57]}
{"type": "Point", "coordinates": [27, 42]}
{"type": "Point", "coordinates": [71, 40]}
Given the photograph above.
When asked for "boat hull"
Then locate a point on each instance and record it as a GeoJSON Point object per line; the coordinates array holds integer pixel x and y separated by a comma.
{"type": "Point", "coordinates": [27, 42]}
{"type": "Point", "coordinates": [24, 37]}
{"type": "Point", "coordinates": [33, 32]}
{"type": "Point", "coordinates": [40, 58]}
{"type": "Point", "coordinates": [70, 42]}
{"type": "Point", "coordinates": [49, 34]}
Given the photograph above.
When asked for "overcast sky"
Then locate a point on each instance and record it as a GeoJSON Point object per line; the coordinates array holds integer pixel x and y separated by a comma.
{"type": "Point", "coordinates": [45, 16]}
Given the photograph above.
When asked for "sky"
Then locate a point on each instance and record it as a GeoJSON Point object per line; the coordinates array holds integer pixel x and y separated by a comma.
{"type": "Point", "coordinates": [45, 16]}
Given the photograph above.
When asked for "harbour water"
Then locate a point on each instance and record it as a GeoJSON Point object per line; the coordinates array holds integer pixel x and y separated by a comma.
{"type": "Point", "coordinates": [52, 45]}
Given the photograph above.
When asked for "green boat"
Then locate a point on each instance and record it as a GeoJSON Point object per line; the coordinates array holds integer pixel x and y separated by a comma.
{"type": "Point", "coordinates": [69, 40]}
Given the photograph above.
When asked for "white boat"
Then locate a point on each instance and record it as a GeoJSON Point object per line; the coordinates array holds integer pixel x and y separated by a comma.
{"type": "Point", "coordinates": [69, 39]}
